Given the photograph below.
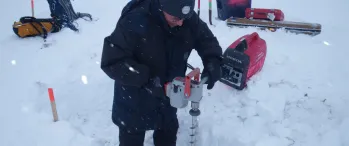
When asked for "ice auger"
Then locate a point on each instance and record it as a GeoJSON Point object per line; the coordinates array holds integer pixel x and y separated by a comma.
{"type": "Point", "coordinates": [182, 90]}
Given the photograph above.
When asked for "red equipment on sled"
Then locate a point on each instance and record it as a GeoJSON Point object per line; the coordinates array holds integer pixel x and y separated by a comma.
{"type": "Point", "coordinates": [272, 20]}
{"type": "Point", "coordinates": [265, 14]}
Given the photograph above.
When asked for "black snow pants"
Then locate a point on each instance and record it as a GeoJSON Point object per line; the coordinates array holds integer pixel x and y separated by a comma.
{"type": "Point", "coordinates": [136, 138]}
{"type": "Point", "coordinates": [164, 135]}
{"type": "Point", "coordinates": [161, 137]}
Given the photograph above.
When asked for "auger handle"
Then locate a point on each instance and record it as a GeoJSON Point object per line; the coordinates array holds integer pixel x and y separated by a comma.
{"type": "Point", "coordinates": [187, 83]}
{"type": "Point", "coordinates": [203, 81]}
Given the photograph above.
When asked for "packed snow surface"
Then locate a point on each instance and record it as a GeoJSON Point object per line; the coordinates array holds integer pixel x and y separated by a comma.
{"type": "Point", "coordinates": [300, 98]}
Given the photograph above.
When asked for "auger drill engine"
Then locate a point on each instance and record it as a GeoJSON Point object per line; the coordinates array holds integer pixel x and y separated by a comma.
{"type": "Point", "coordinates": [182, 90]}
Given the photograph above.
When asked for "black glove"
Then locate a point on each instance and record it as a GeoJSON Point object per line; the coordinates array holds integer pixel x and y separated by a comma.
{"type": "Point", "coordinates": [212, 70]}
{"type": "Point", "coordinates": [155, 88]}
{"type": "Point", "coordinates": [81, 15]}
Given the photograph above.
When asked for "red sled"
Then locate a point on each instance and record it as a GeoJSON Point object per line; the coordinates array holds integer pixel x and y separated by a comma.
{"type": "Point", "coordinates": [265, 14]}
{"type": "Point", "coordinates": [243, 59]}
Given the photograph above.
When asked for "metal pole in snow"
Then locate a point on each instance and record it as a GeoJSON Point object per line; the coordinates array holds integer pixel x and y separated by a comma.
{"type": "Point", "coordinates": [32, 6]}
{"type": "Point", "coordinates": [198, 7]}
{"type": "Point", "coordinates": [210, 11]}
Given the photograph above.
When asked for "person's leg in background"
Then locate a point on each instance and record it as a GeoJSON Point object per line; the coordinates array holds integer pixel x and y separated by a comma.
{"type": "Point", "coordinates": [131, 138]}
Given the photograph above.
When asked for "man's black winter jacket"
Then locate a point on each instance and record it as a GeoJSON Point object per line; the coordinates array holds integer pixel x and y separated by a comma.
{"type": "Point", "coordinates": [142, 39]}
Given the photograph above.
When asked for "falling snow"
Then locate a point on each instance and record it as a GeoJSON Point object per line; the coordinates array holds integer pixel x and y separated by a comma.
{"type": "Point", "coordinates": [84, 79]}
{"type": "Point", "coordinates": [300, 98]}
{"type": "Point", "coordinates": [13, 62]}
{"type": "Point", "coordinates": [326, 43]}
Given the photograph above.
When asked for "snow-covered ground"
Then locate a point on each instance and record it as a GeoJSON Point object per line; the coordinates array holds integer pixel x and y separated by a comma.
{"type": "Point", "coordinates": [300, 98]}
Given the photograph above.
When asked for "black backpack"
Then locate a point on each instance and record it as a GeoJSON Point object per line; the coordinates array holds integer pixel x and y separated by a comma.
{"type": "Point", "coordinates": [64, 14]}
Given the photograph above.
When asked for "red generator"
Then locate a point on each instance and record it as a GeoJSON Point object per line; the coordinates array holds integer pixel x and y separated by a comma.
{"type": "Point", "coordinates": [243, 59]}
{"type": "Point", "coordinates": [265, 14]}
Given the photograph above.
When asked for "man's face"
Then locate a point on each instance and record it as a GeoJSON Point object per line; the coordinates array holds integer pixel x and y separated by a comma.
{"type": "Point", "coordinates": [172, 20]}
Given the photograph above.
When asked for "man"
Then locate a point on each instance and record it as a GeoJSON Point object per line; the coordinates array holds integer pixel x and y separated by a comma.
{"type": "Point", "coordinates": [148, 48]}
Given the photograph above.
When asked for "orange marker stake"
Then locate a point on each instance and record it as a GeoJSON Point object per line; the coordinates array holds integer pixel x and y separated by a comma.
{"type": "Point", "coordinates": [53, 104]}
